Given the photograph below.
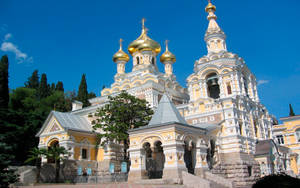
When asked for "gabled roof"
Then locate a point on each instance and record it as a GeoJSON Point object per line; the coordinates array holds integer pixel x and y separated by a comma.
{"type": "Point", "coordinates": [166, 112]}
{"type": "Point", "coordinates": [68, 121]}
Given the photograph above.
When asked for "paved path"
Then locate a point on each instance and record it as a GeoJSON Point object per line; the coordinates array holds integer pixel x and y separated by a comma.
{"type": "Point", "coordinates": [104, 185]}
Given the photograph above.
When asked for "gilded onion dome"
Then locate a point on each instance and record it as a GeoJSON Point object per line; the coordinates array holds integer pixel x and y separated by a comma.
{"type": "Point", "coordinates": [167, 55]}
{"type": "Point", "coordinates": [144, 43]}
{"type": "Point", "coordinates": [210, 7]}
{"type": "Point", "coordinates": [120, 55]}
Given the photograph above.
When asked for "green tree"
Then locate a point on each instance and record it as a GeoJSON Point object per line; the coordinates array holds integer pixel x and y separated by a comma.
{"type": "Point", "coordinates": [82, 92]}
{"type": "Point", "coordinates": [52, 88]}
{"type": "Point", "coordinates": [7, 175]}
{"type": "Point", "coordinates": [291, 110]}
{"type": "Point", "coordinates": [56, 102]}
{"type": "Point", "coordinates": [57, 153]}
{"type": "Point", "coordinates": [43, 87]}
{"type": "Point", "coordinates": [59, 86]}
{"type": "Point", "coordinates": [4, 91]}
{"type": "Point", "coordinates": [35, 156]}
{"type": "Point", "coordinates": [33, 80]}
{"type": "Point", "coordinates": [123, 112]}
{"type": "Point", "coordinates": [7, 146]}
{"type": "Point", "coordinates": [70, 96]}
{"type": "Point", "coordinates": [91, 95]}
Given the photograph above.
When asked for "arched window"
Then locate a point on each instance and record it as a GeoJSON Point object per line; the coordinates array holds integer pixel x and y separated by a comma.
{"type": "Point", "coordinates": [229, 89]}
{"type": "Point", "coordinates": [298, 135]}
{"type": "Point", "coordinates": [213, 87]}
{"type": "Point", "coordinates": [137, 60]}
{"type": "Point", "coordinates": [152, 61]}
{"type": "Point", "coordinates": [255, 128]}
{"type": "Point", "coordinates": [241, 128]}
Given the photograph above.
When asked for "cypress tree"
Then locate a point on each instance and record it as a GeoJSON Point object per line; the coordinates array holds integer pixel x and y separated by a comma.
{"type": "Point", "coordinates": [59, 86]}
{"type": "Point", "coordinates": [291, 110]}
{"type": "Point", "coordinates": [82, 92]}
{"type": "Point", "coordinates": [33, 80]}
{"type": "Point", "coordinates": [52, 88]}
{"type": "Point", "coordinates": [43, 89]}
{"type": "Point", "coordinates": [4, 91]}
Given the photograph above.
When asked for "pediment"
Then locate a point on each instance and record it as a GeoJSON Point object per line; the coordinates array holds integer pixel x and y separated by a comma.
{"type": "Point", "coordinates": [53, 126]}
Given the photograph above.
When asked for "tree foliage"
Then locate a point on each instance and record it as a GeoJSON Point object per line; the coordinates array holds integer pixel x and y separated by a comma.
{"type": "Point", "coordinates": [7, 129]}
{"type": "Point", "coordinates": [43, 88]}
{"type": "Point", "coordinates": [35, 156]}
{"type": "Point", "coordinates": [291, 110]}
{"type": "Point", "coordinates": [4, 91]}
{"type": "Point", "coordinates": [58, 153]}
{"type": "Point", "coordinates": [7, 175]}
{"type": "Point", "coordinates": [33, 81]}
{"type": "Point", "coordinates": [59, 86]}
{"type": "Point", "coordinates": [123, 112]}
{"type": "Point", "coordinates": [83, 92]}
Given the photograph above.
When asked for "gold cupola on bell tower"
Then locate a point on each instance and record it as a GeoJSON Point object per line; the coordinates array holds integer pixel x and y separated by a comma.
{"type": "Point", "coordinates": [121, 58]}
{"type": "Point", "coordinates": [167, 58]}
{"type": "Point", "coordinates": [214, 36]}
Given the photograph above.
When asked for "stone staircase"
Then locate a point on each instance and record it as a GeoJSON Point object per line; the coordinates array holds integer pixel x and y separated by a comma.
{"type": "Point", "coordinates": [208, 181]}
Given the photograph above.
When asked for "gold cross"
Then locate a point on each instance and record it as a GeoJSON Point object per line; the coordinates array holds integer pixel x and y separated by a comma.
{"type": "Point", "coordinates": [121, 40]}
{"type": "Point", "coordinates": [143, 23]}
{"type": "Point", "coordinates": [167, 45]}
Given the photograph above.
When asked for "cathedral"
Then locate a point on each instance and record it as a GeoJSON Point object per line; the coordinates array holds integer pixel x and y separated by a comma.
{"type": "Point", "coordinates": [216, 126]}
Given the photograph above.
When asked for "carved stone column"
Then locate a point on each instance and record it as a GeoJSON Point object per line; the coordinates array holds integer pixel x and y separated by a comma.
{"type": "Point", "coordinates": [138, 165]}
{"type": "Point", "coordinates": [174, 162]}
{"type": "Point", "coordinates": [201, 163]}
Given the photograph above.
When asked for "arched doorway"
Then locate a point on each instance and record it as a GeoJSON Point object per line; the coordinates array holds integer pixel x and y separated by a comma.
{"type": "Point", "coordinates": [155, 160]}
{"type": "Point", "coordinates": [52, 143]}
{"type": "Point", "coordinates": [189, 156]}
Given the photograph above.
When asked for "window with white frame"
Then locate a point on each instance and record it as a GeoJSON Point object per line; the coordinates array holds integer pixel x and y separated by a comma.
{"type": "Point", "coordinates": [280, 139]}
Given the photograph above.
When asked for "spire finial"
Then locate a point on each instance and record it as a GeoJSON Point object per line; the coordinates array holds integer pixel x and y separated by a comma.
{"type": "Point", "coordinates": [167, 45]}
{"type": "Point", "coordinates": [143, 23]}
{"type": "Point", "coordinates": [121, 40]}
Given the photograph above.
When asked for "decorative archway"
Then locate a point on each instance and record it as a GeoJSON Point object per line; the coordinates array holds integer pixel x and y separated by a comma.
{"type": "Point", "coordinates": [52, 143]}
{"type": "Point", "coordinates": [154, 159]}
{"type": "Point", "coordinates": [190, 156]}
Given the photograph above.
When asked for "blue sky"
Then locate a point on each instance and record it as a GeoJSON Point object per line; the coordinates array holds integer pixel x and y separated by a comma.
{"type": "Point", "coordinates": [66, 38]}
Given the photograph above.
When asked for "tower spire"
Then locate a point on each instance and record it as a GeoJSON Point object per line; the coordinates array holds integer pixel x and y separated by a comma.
{"type": "Point", "coordinates": [143, 25]}
{"type": "Point", "coordinates": [120, 41]}
{"type": "Point", "coordinates": [214, 36]}
{"type": "Point", "coordinates": [167, 45]}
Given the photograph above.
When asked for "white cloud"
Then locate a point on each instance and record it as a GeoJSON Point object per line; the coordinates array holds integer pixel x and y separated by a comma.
{"type": "Point", "coordinates": [260, 82]}
{"type": "Point", "coordinates": [7, 36]}
{"type": "Point", "coordinates": [8, 46]}
{"type": "Point", "coordinates": [20, 56]}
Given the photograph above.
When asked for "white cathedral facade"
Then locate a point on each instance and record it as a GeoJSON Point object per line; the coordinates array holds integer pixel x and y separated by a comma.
{"type": "Point", "coordinates": [220, 103]}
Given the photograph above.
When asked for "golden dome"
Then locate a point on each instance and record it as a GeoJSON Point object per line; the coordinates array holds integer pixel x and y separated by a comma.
{"type": "Point", "coordinates": [120, 55]}
{"type": "Point", "coordinates": [167, 55]}
{"type": "Point", "coordinates": [143, 43]}
{"type": "Point", "coordinates": [210, 7]}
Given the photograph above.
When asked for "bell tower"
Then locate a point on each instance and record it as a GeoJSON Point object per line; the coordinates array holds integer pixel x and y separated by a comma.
{"type": "Point", "coordinates": [223, 98]}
